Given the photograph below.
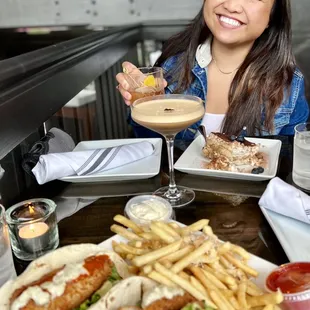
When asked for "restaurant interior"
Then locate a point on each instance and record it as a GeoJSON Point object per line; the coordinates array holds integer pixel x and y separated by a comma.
{"type": "Point", "coordinates": [59, 94]}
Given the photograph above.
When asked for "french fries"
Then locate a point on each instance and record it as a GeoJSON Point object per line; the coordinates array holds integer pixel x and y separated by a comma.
{"type": "Point", "coordinates": [198, 285]}
{"type": "Point", "coordinates": [242, 295]}
{"type": "Point", "coordinates": [252, 272]}
{"type": "Point", "coordinates": [214, 280]}
{"type": "Point", "coordinates": [185, 261]}
{"type": "Point", "coordinates": [127, 234]}
{"type": "Point", "coordinates": [153, 256]}
{"type": "Point", "coordinates": [162, 234]}
{"type": "Point", "coordinates": [194, 259]}
{"type": "Point", "coordinates": [195, 227]}
{"type": "Point", "coordinates": [265, 300]}
{"type": "Point", "coordinates": [169, 230]}
{"type": "Point", "coordinates": [174, 257]}
{"type": "Point", "coordinates": [128, 223]}
{"type": "Point", "coordinates": [186, 285]}
{"type": "Point", "coordinates": [160, 278]}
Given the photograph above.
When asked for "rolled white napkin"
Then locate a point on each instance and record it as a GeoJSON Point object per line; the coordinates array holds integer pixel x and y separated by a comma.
{"type": "Point", "coordinates": [287, 200]}
{"type": "Point", "coordinates": [57, 165]}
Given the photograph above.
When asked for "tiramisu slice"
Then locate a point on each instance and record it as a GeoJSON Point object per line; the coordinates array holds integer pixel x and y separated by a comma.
{"type": "Point", "coordinates": [232, 153]}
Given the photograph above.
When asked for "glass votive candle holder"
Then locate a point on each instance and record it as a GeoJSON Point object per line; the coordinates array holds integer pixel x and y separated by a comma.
{"type": "Point", "coordinates": [33, 228]}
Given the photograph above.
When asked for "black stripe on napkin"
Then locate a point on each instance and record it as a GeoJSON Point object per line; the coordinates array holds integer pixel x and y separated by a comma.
{"type": "Point", "coordinates": [101, 159]}
{"type": "Point", "coordinates": [88, 161]}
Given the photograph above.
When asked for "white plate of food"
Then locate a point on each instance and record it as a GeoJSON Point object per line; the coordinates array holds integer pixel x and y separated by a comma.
{"type": "Point", "coordinates": [193, 161]}
{"type": "Point", "coordinates": [295, 240]}
{"type": "Point", "coordinates": [89, 276]}
{"type": "Point", "coordinates": [262, 266]}
{"type": "Point", "coordinates": [142, 169]}
{"type": "Point", "coordinates": [199, 234]}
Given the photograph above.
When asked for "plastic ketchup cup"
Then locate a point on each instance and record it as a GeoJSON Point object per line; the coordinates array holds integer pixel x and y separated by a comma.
{"type": "Point", "coordinates": [293, 280]}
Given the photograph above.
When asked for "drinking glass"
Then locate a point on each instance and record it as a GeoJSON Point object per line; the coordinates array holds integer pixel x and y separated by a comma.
{"type": "Point", "coordinates": [145, 82]}
{"type": "Point", "coordinates": [168, 115]}
{"type": "Point", "coordinates": [7, 270]}
{"type": "Point", "coordinates": [301, 162]}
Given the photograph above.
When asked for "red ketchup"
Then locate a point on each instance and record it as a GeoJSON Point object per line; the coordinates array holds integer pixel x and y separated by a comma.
{"type": "Point", "coordinates": [294, 282]}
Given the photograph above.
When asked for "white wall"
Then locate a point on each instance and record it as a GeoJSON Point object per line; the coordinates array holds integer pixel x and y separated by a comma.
{"type": "Point", "coordinates": [21, 13]}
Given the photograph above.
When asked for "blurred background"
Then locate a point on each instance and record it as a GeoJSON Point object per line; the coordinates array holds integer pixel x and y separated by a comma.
{"type": "Point", "coordinates": [58, 61]}
{"type": "Point", "coordinates": [32, 24]}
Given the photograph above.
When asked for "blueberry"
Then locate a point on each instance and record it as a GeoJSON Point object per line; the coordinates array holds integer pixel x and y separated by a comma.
{"type": "Point", "coordinates": [240, 139]}
{"type": "Point", "coordinates": [232, 138]}
{"type": "Point", "coordinates": [258, 170]}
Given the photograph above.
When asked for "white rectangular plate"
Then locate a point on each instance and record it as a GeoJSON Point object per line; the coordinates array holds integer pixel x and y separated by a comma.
{"type": "Point", "coordinates": [261, 265]}
{"type": "Point", "coordinates": [142, 169]}
{"type": "Point", "coordinates": [192, 161]}
{"type": "Point", "coordinates": [293, 235]}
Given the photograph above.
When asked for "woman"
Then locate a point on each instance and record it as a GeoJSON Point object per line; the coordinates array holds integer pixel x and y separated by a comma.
{"type": "Point", "coordinates": [236, 55]}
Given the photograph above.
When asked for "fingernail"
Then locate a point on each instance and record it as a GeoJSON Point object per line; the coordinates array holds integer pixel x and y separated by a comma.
{"type": "Point", "coordinates": [128, 96]}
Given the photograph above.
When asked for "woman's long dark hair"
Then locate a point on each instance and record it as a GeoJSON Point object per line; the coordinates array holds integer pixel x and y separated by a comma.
{"type": "Point", "coordinates": [261, 81]}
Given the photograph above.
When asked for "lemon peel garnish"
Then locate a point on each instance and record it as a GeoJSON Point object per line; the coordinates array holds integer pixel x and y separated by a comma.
{"type": "Point", "coordinates": [150, 81]}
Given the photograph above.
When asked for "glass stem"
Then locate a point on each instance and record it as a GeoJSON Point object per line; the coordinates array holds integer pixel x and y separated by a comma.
{"type": "Point", "coordinates": [170, 148]}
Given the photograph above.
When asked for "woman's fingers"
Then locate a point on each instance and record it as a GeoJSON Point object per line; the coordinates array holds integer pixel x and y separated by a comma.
{"type": "Point", "coordinates": [125, 94]}
{"type": "Point", "coordinates": [128, 67]}
{"type": "Point", "coordinates": [120, 77]}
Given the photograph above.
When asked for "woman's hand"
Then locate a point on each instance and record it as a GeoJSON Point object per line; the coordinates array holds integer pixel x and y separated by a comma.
{"type": "Point", "coordinates": [123, 86]}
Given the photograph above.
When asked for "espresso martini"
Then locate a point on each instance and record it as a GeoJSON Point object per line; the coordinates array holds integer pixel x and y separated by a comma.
{"type": "Point", "coordinates": [167, 116]}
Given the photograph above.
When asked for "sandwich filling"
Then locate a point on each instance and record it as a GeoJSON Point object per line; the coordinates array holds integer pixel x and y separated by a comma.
{"type": "Point", "coordinates": [163, 297]}
{"type": "Point", "coordinates": [74, 286]}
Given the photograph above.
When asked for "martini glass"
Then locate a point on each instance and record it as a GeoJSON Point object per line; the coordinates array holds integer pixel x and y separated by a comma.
{"type": "Point", "coordinates": [168, 115]}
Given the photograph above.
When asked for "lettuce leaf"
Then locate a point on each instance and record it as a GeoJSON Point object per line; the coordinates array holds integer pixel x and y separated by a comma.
{"type": "Point", "coordinates": [194, 306]}
{"type": "Point", "coordinates": [114, 277]}
{"type": "Point", "coordinates": [112, 280]}
{"type": "Point", "coordinates": [87, 303]}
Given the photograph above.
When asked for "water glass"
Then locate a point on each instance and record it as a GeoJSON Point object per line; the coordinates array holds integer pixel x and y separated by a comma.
{"type": "Point", "coordinates": [301, 164]}
{"type": "Point", "coordinates": [7, 270]}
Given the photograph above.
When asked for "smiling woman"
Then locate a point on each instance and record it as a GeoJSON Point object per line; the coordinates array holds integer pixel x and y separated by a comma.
{"type": "Point", "coordinates": [249, 18]}
{"type": "Point", "coordinates": [237, 56]}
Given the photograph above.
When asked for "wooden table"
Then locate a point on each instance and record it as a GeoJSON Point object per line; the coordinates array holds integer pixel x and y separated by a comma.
{"type": "Point", "coordinates": [231, 206]}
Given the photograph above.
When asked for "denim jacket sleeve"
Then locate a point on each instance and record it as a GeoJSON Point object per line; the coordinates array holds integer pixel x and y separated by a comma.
{"type": "Point", "coordinates": [300, 113]}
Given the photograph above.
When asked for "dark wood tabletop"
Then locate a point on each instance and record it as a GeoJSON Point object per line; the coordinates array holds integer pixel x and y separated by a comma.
{"type": "Point", "coordinates": [85, 211]}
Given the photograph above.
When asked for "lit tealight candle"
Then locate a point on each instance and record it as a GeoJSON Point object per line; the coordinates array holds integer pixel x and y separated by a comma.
{"type": "Point", "coordinates": [33, 230]}
{"type": "Point", "coordinates": [33, 236]}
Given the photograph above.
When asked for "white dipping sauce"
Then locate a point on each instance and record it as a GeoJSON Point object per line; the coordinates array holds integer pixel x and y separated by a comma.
{"type": "Point", "coordinates": [160, 292]}
{"type": "Point", "coordinates": [149, 210]}
{"type": "Point", "coordinates": [54, 288]}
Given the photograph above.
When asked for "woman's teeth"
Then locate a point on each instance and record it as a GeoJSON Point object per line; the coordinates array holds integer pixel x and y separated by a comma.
{"type": "Point", "coordinates": [230, 21]}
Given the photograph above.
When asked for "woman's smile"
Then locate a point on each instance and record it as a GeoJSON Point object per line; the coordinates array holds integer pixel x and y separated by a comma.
{"type": "Point", "coordinates": [229, 22]}
{"type": "Point", "coordinates": [237, 21]}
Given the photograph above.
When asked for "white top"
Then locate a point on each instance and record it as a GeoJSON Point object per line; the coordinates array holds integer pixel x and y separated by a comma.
{"type": "Point", "coordinates": [203, 54]}
{"type": "Point", "coordinates": [212, 122]}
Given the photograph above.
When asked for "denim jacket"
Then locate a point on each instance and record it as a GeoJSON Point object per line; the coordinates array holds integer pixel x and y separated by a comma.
{"type": "Point", "coordinates": [293, 110]}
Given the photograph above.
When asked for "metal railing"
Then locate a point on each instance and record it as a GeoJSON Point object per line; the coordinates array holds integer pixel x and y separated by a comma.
{"type": "Point", "coordinates": [37, 85]}
{"type": "Point", "coordinates": [34, 86]}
